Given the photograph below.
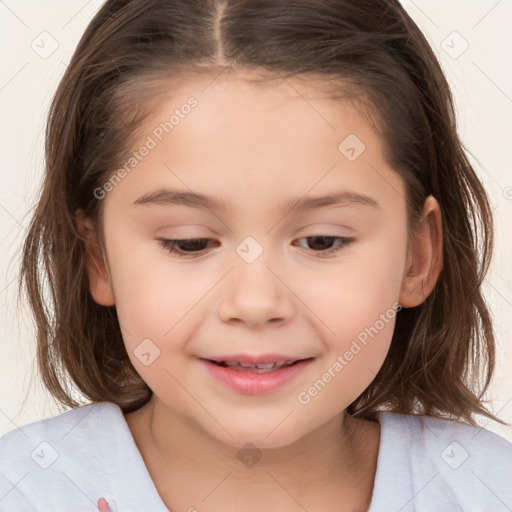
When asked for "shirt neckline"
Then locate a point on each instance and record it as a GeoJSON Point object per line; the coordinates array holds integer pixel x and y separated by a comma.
{"type": "Point", "coordinates": [127, 462]}
{"type": "Point", "coordinates": [383, 419]}
{"type": "Point", "coordinates": [120, 475]}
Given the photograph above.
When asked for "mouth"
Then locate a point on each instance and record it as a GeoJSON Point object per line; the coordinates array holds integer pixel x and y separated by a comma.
{"type": "Point", "coordinates": [256, 367]}
{"type": "Point", "coordinates": [255, 375]}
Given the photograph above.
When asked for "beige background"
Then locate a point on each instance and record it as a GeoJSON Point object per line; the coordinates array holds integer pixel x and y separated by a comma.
{"type": "Point", "coordinates": [37, 39]}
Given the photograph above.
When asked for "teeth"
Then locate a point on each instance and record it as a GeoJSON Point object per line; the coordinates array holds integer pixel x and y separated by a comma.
{"type": "Point", "coordinates": [264, 366]}
{"type": "Point", "coordinates": [258, 366]}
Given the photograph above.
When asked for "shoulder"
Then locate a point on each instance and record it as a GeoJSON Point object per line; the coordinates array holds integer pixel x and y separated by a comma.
{"type": "Point", "coordinates": [448, 462]}
{"type": "Point", "coordinates": [50, 450]}
{"type": "Point", "coordinates": [58, 429]}
{"type": "Point", "coordinates": [454, 443]}
{"type": "Point", "coordinates": [40, 441]}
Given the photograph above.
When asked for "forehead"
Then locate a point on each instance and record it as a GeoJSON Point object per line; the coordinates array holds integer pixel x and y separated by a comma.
{"type": "Point", "coordinates": [245, 107]}
{"type": "Point", "coordinates": [255, 140]}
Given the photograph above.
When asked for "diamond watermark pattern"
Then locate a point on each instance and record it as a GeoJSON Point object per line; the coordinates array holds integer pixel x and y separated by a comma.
{"type": "Point", "coordinates": [44, 45]}
{"type": "Point", "coordinates": [249, 249]}
{"type": "Point", "coordinates": [44, 455]}
{"type": "Point", "coordinates": [351, 147]}
{"type": "Point", "coordinates": [454, 45]}
{"type": "Point", "coordinates": [454, 455]}
{"type": "Point", "coordinates": [146, 352]}
{"type": "Point", "coordinates": [249, 455]}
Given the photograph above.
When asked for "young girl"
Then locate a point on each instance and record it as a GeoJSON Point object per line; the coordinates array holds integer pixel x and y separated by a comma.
{"type": "Point", "coordinates": [258, 254]}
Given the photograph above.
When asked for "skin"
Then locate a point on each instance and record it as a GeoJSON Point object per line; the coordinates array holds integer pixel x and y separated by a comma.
{"type": "Point", "coordinates": [257, 147]}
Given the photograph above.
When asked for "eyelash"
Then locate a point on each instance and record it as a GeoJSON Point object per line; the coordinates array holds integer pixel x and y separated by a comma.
{"type": "Point", "coordinates": [170, 245]}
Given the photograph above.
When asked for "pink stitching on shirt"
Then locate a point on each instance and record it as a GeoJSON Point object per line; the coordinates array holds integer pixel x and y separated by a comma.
{"type": "Point", "coordinates": [103, 505]}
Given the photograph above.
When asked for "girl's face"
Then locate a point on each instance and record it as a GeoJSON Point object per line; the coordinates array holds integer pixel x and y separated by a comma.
{"type": "Point", "coordinates": [270, 283]}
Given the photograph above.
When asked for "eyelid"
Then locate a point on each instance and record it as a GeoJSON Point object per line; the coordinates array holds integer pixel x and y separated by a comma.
{"type": "Point", "coordinates": [170, 245]}
{"type": "Point", "coordinates": [345, 242]}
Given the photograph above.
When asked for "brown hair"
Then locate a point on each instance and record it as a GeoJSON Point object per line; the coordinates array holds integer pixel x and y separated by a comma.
{"type": "Point", "coordinates": [441, 358]}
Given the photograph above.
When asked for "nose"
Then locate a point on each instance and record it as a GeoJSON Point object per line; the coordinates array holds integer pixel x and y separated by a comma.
{"type": "Point", "coordinates": [255, 295]}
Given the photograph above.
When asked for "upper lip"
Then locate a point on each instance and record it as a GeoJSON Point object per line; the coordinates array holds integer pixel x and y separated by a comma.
{"type": "Point", "coordinates": [256, 359]}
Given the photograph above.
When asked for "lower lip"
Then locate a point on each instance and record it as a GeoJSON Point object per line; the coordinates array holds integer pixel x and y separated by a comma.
{"type": "Point", "coordinates": [252, 383]}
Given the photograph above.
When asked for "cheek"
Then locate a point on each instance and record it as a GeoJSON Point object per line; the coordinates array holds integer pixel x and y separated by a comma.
{"type": "Point", "coordinates": [154, 295]}
{"type": "Point", "coordinates": [357, 303]}
{"type": "Point", "coordinates": [360, 311]}
{"type": "Point", "coordinates": [353, 295]}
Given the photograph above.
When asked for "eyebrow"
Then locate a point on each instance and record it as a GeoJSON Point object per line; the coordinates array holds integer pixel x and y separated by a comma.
{"type": "Point", "coordinates": [166, 197]}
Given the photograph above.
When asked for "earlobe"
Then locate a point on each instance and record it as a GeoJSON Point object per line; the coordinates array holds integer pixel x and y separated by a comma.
{"type": "Point", "coordinates": [100, 284]}
{"type": "Point", "coordinates": [425, 256]}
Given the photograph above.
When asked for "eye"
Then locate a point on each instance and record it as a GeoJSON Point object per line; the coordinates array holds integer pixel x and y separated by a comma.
{"type": "Point", "coordinates": [321, 244]}
{"type": "Point", "coordinates": [327, 245]}
{"type": "Point", "coordinates": [186, 246]}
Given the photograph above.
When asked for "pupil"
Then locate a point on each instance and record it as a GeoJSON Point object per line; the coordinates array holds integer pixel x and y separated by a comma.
{"type": "Point", "coordinates": [194, 244]}
{"type": "Point", "coordinates": [322, 239]}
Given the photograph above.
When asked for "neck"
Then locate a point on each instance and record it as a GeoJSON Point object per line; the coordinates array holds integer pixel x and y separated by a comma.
{"type": "Point", "coordinates": [338, 455]}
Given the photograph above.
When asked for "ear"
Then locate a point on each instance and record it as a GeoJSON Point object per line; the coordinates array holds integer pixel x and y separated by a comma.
{"type": "Point", "coordinates": [100, 283]}
{"type": "Point", "coordinates": [425, 256]}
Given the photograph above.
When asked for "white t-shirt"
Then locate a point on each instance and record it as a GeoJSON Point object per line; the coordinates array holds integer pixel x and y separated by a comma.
{"type": "Point", "coordinates": [68, 462]}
